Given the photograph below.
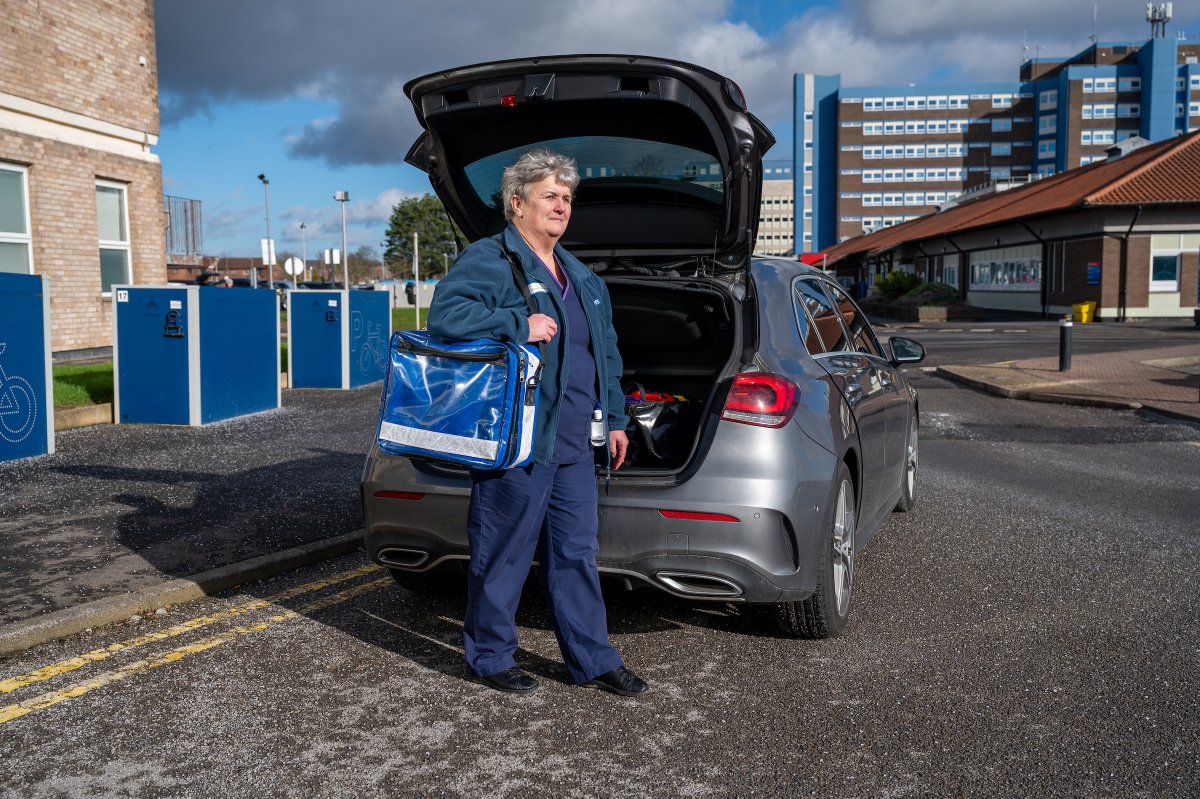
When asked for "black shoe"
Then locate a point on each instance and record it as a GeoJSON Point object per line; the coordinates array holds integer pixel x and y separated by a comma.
{"type": "Point", "coordinates": [620, 681]}
{"type": "Point", "coordinates": [513, 681]}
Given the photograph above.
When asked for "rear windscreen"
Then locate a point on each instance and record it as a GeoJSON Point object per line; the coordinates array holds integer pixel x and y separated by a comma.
{"type": "Point", "coordinates": [612, 164]}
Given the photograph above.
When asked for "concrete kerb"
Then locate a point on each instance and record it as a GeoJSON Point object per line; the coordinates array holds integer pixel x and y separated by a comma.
{"type": "Point", "coordinates": [1031, 393]}
{"type": "Point", "coordinates": [24, 635]}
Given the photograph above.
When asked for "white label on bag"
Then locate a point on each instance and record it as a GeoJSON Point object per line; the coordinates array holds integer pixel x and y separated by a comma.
{"type": "Point", "coordinates": [333, 303]}
{"type": "Point", "coordinates": [176, 305]}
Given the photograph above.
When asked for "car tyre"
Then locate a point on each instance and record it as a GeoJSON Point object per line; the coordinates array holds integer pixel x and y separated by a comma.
{"type": "Point", "coordinates": [908, 479]}
{"type": "Point", "coordinates": [825, 613]}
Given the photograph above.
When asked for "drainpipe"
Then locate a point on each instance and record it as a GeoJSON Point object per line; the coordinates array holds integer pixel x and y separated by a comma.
{"type": "Point", "coordinates": [1044, 291]}
{"type": "Point", "coordinates": [1124, 278]}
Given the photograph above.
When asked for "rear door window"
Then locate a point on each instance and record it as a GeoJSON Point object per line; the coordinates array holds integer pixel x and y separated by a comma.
{"type": "Point", "coordinates": [820, 328]}
{"type": "Point", "coordinates": [862, 338]}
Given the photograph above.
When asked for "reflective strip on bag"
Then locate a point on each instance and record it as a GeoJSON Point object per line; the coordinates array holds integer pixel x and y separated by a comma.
{"type": "Point", "coordinates": [437, 442]}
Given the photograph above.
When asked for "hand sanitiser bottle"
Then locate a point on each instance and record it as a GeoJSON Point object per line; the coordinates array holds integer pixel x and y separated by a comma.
{"type": "Point", "coordinates": [597, 436]}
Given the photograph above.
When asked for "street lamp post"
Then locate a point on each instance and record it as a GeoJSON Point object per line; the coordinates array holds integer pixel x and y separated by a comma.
{"type": "Point", "coordinates": [303, 255]}
{"type": "Point", "coordinates": [343, 197]}
{"type": "Point", "coordinates": [267, 201]}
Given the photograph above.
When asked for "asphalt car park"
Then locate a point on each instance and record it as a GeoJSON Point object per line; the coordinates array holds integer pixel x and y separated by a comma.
{"type": "Point", "coordinates": [1027, 629]}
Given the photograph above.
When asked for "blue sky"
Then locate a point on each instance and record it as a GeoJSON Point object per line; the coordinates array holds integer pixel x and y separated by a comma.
{"type": "Point", "coordinates": [309, 92]}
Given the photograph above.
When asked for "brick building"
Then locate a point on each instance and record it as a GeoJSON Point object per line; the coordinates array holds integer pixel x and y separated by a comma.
{"type": "Point", "coordinates": [776, 217]}
{"type": "Point", "coordinates": [1123, 233]}
{"type": "Point", "coordinates": [876, 156]}
{"type": "Point", "coordinates": [81, 197]}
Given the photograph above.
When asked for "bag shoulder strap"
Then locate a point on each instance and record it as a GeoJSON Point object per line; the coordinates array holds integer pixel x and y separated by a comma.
{"type": "Point", "coordinates": [522, 283]}
{"type": "Point", "coordinates": [518, 273]}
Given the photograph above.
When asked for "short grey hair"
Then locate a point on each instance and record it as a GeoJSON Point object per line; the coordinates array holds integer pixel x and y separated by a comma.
{"type": "Point", "coordinates": [532, 167]}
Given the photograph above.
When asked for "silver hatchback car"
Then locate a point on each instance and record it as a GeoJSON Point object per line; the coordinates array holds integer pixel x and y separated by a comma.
{"type": "Point", "coordinates": [792, 432]}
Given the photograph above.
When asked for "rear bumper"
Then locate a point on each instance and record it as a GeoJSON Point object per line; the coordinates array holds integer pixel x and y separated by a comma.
{"type": "Point", "coordinates": [769, 554]}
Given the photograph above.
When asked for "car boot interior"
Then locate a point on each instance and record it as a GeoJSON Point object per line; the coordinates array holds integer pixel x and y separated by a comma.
{"type": "Point", "coordinates": [676, 338]}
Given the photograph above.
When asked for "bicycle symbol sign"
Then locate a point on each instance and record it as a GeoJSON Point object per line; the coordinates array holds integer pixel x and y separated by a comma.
{"type": "Point", "coordinates": [18, 411]}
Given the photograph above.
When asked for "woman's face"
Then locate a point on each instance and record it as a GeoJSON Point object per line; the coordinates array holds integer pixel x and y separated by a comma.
{"type": "Point", "coordinates": [546, 212]}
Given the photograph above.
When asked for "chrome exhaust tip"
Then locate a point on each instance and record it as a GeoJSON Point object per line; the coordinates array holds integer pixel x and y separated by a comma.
{"type": "Point", "coordinates": [402, 558]}
{"type": "Point", "coordinates": [694, 584]}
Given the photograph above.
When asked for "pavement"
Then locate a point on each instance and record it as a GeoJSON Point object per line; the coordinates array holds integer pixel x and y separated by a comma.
{"type": "Point", "coordinates": [1161, 379]}
{"type": "Point", "coordinates": [123, 520]}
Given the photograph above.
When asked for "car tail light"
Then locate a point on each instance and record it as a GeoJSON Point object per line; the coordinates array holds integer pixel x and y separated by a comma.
{"type": "Point", "coordinates": [762, 399]}
{"type": "Point", "coordinates": [398, 495]}
{"type": "Point", "coordinates": [508, 101]}
{"type": "Point", "coordinates": [699, 517]}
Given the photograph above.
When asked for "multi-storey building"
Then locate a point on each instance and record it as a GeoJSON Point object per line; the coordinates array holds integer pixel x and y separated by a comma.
{"type": "Point", "coordinates": [80, 191]}
{"type": "Point", "coordinates": [877, 156]}
{"type": "Point", "coordinates": [776, 216]}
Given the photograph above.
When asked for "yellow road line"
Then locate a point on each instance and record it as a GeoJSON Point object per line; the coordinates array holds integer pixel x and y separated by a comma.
{"type": "Point", "coordinates": [52, 698]}
{"type": "Point", "coordinates": [63, 666]}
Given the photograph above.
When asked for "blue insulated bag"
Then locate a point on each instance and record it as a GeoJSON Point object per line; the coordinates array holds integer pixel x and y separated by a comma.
{"type": "Point", "coordinates": [471, 402]}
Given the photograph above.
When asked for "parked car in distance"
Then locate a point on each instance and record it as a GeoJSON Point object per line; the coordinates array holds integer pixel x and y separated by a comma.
{"type": "Point", "coordinates": [797, 431]}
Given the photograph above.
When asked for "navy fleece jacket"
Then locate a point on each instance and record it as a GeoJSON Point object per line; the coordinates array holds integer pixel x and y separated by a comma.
{"type": "Point", "coordinates": [479, 299]}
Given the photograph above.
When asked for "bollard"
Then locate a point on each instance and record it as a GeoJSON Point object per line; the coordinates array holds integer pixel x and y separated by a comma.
{"type": "Point", "coordinates": [1064, 343]}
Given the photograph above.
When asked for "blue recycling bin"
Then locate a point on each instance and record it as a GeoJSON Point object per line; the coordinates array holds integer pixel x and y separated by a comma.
{"type": "Point", "coordinates": [337, 338]}
{"type": "Point", "coordinates": [26, 378]}
{"type": "Point", "coordinates": [192, 355]}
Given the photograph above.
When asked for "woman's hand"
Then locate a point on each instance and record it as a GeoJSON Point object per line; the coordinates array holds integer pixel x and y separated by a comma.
{"type": "Point", "coordinates": [618, 443]}
{"type": "Point", "coordinates": [541, 328]}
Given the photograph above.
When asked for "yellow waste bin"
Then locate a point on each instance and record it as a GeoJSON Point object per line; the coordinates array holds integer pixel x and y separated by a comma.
{"type": "Point", "coordinates": [1084, 312]}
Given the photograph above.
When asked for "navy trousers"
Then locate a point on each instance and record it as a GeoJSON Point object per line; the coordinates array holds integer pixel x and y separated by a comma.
{"type": "Point", "coordinates": [513, 513]}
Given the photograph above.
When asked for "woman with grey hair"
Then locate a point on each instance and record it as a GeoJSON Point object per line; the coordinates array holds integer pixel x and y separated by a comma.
{"type": "Point", "coordinates": [547, 508]}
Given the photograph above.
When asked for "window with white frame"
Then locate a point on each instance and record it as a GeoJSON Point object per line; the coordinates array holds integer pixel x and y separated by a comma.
{"type": "Point", "coordinates": [1084, 160]}
{"type": "Point", "coordinates": [935, 197]}
{"type": "Point", "coordinates": [955, 150]}
{"type": "Point", "coordinates": [893, 198]}
{"type": "Point", "coordinates": [893, 175]}
{"type": "Point", "coordinates": [914, 151]}
{"type": "Point", "coordinates": [914, 103]}
{"type": "Point", "coordinates": [1002, 125]}
{"type": "Point", "coordinates": [914, 126]}
{"type": "Point", "coordinates": [1105, 85]}
{"type": "Point", "coordinates": [935, 126]}
{"type": "Point", "coordinates": [112, 219]}
{"type": "Point", "coordinates": [893, 127]}
{"type": "Point", "coordinates": [1048, 99]}
{"type": "Point", "coordinates": [894, 151]}
{"type": "Point", "coordinates": [1048, 123]}
{"type": "Point", "coordinates": [872, 152]}
{"type": "Point", "coordinates": [872, 198]}
{"type": "Point", "coordinates": [16, 246]}
{"type": "Point", "coordinates": [872, 128]}
{"type": "Point", "coordinates": [872, 176]}
{"type": "Point", "coordinates": [1047, 148]}
{"type": "Point", "coordinates": [1179, 84]}
{"type": "Point", "coordinates": [959, 101]}
{"type": "Point", "coordinates": [1045, 170]}
{"type": "Point", "coordinates": [954, 173]}
{"type": "Point", "coordinates": [1087, 86]}
{"type": "Point", "coordinates": [914, 198]}
{"type": "Point", "coordinates": [1164, 270]}
{"type": "Point", "coordinates": [872, 103]}
{"type": "Point", "coordinates": [1129, 84]}
{"type": "Point", "coordinates": [1194, 109]}
{"type": "Point", "coordinates": [957, 125]}
{"type": "Point", "coordinates": [893, 103]}
{"type": "Point", "coordinates": [936, 102]}
{"type": "Point", "coordinates": [1002, 100]}
{"type": "Point", "coordinates": [914, 175]}
{"type": "Point", "coordinates": [1194, 82]}
{"type": "Point", "coordinates": [935, 173]}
